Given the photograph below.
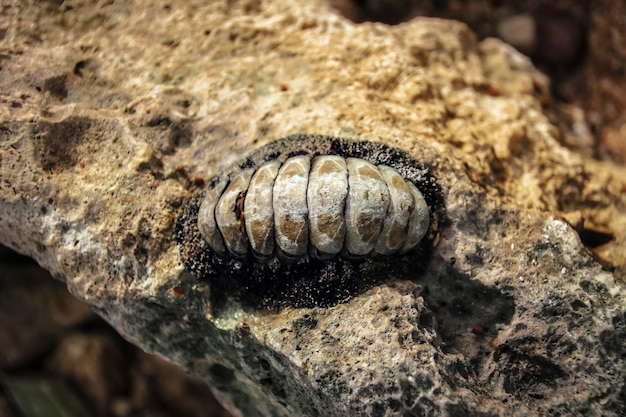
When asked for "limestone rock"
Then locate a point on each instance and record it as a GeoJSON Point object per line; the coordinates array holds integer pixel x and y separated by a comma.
{"type": "Point", "coordinates": [113, 113]}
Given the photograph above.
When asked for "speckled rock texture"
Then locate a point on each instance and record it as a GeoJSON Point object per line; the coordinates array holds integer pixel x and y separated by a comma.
{"type": "Point", "coordinates": [113, 113]}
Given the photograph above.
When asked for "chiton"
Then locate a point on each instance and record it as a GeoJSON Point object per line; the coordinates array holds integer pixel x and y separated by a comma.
{"type": "Point", "coordinates": [311, 220]}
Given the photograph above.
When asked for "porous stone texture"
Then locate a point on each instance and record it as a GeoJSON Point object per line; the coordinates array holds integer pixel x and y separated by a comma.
{"type": "Point", "coordinates": [113, 113]}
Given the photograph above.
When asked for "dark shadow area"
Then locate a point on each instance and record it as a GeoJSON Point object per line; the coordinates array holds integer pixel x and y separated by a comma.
{"type": "Point", "coordinates": [54, 351]}
{"type": "Point", "coordinates": [460, 303]}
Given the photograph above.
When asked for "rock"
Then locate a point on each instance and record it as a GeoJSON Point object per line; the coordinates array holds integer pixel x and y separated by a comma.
{"type": "Point", "coordinates": [386, 11]}
{"type": "Point", "coordinates": [187, 395]}
{"type": "Point", "coordinates": [31, 322]}
{"type": "Point", "coordinates": [94, 363]}
{"type": "Point", "coordinates": [614, 141]}
{"type": "Point", "coordinates": [561, 39]}
{"type": "Point", "coordinates": [114, 113]}
{"type": "Point", "coordinates": [604, 73]}
{"type": "Point", "coordinates": [519, 31]}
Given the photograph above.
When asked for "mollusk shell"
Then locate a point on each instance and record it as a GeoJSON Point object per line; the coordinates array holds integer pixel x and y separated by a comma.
{"type": "Point", "coordinates": [311, 220]}
{"type": "Point", "coordinates": [322, 206]}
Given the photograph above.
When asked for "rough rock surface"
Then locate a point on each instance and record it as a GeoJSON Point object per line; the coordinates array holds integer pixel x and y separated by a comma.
{"type": "Point", "coordinates": [112, 113]}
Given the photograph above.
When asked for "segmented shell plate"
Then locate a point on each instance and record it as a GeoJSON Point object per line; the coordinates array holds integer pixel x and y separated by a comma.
{"type": "Point", "coordinates": [303, 217]}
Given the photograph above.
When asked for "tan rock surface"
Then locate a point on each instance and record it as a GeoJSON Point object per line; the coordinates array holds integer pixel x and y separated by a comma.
{"type": "Point", "coordinates": [112, 113]}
